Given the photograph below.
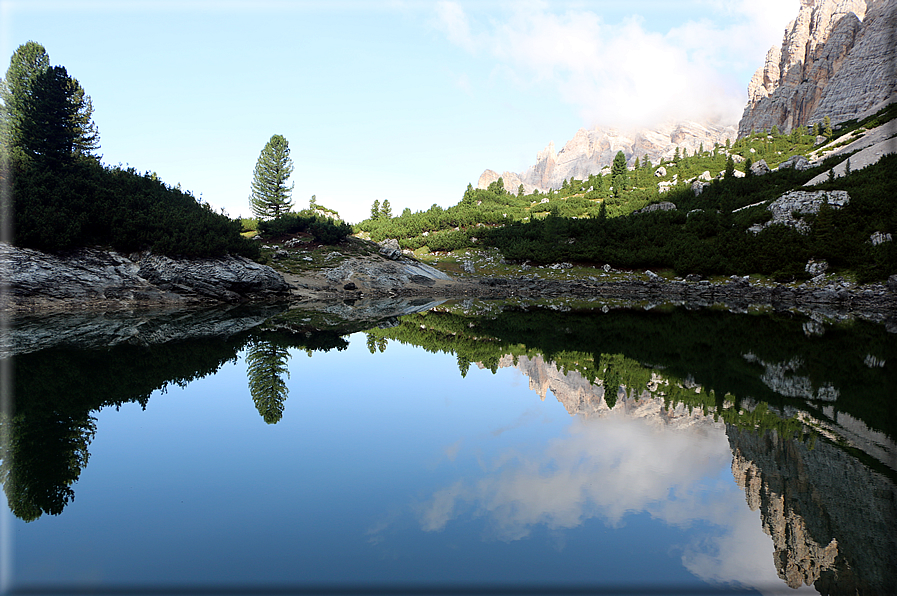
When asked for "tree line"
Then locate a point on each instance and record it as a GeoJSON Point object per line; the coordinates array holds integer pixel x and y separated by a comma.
{"type": "Point", "coordinates": [63, 198]}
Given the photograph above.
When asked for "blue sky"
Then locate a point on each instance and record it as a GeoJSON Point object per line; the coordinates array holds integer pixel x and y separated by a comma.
{"type": "Point", "coordinates": [406, 101]}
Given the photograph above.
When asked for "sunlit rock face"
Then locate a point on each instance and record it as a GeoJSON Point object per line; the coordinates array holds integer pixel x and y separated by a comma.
{"type": "Point", "coordinates": [837, 536]}
{"type": "Point", "coordinates": [589, 151]}
{"type": "Point", "coordinates": [836, 59]}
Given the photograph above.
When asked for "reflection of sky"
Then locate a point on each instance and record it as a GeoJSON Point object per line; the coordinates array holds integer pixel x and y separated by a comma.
{"type": "Point", "coordinates": [392, 468]}
{"type": "Point", "coordinates": [610, 468]}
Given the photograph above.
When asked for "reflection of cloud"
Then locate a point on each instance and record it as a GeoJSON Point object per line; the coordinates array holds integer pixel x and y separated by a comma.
{"type": "Point", "coordinates": [522, 420]}
{"type": "Point", "coordinates": [441, 508]}
{"type": "Point", "coordinates": [451, 452]}
{"type": "Point", "coordinates": [622, 73]}
{"type": "Point", "coordinates": [742, 554]}
{"type": "Point", "coordinates": [609, 467]}
{"type": "Point", "coordinates": [602, 469]}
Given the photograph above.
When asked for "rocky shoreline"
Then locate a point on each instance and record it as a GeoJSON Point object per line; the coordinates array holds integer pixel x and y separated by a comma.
{"type": "Point", "coordinates": [95, 279]}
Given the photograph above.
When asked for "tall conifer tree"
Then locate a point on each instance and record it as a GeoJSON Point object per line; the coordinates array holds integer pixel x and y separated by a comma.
{"type": "Point", "coordinates": [271, 197]}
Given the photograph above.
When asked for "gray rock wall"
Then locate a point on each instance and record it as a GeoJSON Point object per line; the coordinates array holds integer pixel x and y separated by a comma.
{"type": "Point", "coordinates": [838, 58]}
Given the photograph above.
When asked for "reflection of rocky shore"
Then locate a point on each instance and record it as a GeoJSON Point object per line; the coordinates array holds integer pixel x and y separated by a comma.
{"type": "Point", "coordinates": [832, 520]}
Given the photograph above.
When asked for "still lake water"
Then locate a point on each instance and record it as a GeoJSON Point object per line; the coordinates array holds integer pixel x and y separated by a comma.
{"type": "Point", "coordinates": [465, 449]}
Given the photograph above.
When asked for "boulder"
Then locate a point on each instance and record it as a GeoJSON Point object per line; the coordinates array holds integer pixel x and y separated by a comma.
{"type": "Point", "coordinates": [798, 162]}
{"type": "Point", "coordinates": [760, 168]}
{"type": "Point", "coordinates": [879, 238]}
{"type": "Point", "coordinates": [800, 202]}
{"type": "Point", "coordinates": [390, 249]}
{"type": "Point", "coordinates": [697, 187]}
{"type": "Point", "coordinates": [815, 268]}
{"type": "Point", "coordinates": [660, 172]}
{"type": "Point", "coordinates": [664, 206]}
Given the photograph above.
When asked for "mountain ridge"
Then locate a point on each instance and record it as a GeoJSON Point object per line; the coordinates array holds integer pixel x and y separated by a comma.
{"type": "Point", "coordinates": [837, 59]}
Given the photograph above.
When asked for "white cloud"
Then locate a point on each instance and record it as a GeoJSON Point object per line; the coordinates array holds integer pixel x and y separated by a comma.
{"type": "Point", "coordinates": [623, 73]}
{"type": "Point", "coordinates": [452, 19]}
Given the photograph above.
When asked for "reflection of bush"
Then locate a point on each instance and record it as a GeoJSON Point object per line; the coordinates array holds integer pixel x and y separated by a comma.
{"type": "Point", "coordinates": [707, 348]}
{"type": "Point", "coordinates": [57, 389]}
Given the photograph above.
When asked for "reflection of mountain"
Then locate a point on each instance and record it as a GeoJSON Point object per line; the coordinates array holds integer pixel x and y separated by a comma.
{"type": "Point", "coordinates": [582, 398]}
{"type": "Point", "coordinates": [832, 520]}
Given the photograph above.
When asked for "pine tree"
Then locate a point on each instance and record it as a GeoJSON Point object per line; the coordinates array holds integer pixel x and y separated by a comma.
{"type": "Point", "coordinates": [270, 196]}
{"type": "Point", "coordinates": [46, 114]}
{"type": "Point", "coordinates": [730, 167]}
{"type": "Point", "coordinates": [827, 127]}
{"type": "Point", "coordinates": [521, 191]}
{"type": "Point", "coordinates": [28, 61]}
{"type": "Point", "coordinates": [385, 209]}
{"type": "Point", "coordinates": [676, 154]}
{"type": "Point", "coordinates": [375, 209]}
{"type": "Point", "coordinates": [619, 173]}
{"type": "Point", "coordinates": [847, 167]}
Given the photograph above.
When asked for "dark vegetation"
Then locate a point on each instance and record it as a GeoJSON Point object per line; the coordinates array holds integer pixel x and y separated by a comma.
{"type": "Point", "coordinates": [85, 203]}
{"type": "Point", "coordinates": [324, 229]}
{"type": "Point", "coordinates": [592, 221]}
{"type": "Point", "coordinates": [61, 197]}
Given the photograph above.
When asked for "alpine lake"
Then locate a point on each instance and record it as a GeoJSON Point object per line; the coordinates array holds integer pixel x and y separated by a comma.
{"type": "Point", "coordinates": [443, 447]}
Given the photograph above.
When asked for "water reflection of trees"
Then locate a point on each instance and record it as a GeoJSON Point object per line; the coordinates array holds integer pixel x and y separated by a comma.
{"type": "Point", "coordinates": [721, 353]}
{"type": "Point", "coordinates": [49, 430]}
{"type": "Point", "coordinates": [266, 369]}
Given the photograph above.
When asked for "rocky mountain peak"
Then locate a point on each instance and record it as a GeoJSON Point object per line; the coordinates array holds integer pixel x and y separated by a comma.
{"type": "Point", "coordinates": [837, 59]}
{"type": "Point", "coordinates": [589, 151]}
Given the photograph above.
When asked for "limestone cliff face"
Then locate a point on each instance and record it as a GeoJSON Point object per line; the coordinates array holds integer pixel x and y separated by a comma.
{"type": "Point", "coordinates": [589, 151]}
{"type": "Point", "coordinates": [838, 58]}
{"type": "Point", "coordinates": [832, 520]}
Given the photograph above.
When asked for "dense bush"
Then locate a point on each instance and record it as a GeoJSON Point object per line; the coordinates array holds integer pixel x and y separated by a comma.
{"type": "Point", "coordinates": [83, 203]}
{"type": "Point", "coordinates": [324, 229]}
{"type": "Point", "coordinates": [704, 236]}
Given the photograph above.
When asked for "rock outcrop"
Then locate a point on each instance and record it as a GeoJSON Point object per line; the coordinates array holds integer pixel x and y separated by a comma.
{"type": "Point", "coordinates": [837, 59]}
{"type": "Point", "coordinates": [800, 202]}
{"type": "Point", "coordinates": [94, 278]}
{"type": "Point", "coordinates": [589, 151]}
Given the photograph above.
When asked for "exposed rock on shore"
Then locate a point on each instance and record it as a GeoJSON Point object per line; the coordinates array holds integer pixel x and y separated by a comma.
{"type": "Point", "coordinates": [90, 277]}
